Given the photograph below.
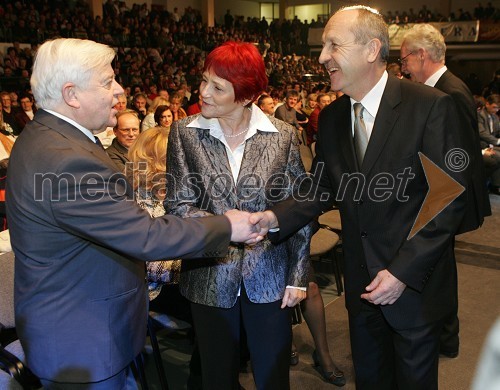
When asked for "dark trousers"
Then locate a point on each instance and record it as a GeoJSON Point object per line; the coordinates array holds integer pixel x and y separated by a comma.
{"type": "Point", "coordinates": [385, 358]}
{"type": "Point", "coordinates": [449, 342]}
{"type": "Point", "coordinates": [269, 341]}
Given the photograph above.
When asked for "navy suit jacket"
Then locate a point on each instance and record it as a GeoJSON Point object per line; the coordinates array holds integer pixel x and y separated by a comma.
{"type": "Point", "coordinates": [380, 201]}
{"type": "Point", "coordinates": [80, 243]}
{"type": "Point", "coordinates": [478, 201]}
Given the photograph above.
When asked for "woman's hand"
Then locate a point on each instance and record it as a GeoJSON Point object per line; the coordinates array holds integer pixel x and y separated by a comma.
{"type": "Point", "coordinates": [292, 297]}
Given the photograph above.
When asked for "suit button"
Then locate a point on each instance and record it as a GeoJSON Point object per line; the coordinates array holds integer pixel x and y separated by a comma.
{"type": "Point", "coordinates": [362, 266]}
{"type": "Point", "coordinates": [364, 234]}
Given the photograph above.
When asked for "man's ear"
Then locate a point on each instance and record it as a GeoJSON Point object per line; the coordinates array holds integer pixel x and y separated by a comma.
{"type": "Point", "coordinates": [373, 47]}
{"type": "Point", "coordinates": [70, 96]}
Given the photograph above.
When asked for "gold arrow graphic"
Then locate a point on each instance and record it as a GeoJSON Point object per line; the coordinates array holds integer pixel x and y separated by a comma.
{"type": "Point", "coordinates": [443, 190]}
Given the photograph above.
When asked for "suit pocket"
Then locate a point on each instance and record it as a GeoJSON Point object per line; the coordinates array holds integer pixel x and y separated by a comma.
{"type": "Point", "coordinates": [115, 296]}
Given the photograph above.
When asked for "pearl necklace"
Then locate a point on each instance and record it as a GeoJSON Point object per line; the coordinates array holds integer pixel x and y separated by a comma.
{"type": "Point", "coordinates": [235, 135]}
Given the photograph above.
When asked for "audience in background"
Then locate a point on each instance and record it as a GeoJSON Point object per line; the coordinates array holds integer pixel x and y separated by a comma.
{"type": "Point", "coordinates": [147, 174]}
{"type": "Point", "coordinates": [266, 104]}
{"type": "Point", "coordinates": [27, 111]}
{"type": "Point", "coordinates": [149, 120]}
{"type": "Point", "coordinates": [322, 101]}
{"type": "Point", "coordinates": [175, 107]}
{"type": "Point", "coordinates": [7, 137]}
{"type": "Point", "coordinates": [140, 105]}
{"type": "Point", "coordinates": [164, 118]}
{"type": "Point", "coordinates": [126, 131]}
{"type": "Point", "coordinates": [9, 113]}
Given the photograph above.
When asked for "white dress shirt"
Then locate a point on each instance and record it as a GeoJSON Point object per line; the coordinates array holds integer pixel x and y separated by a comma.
{"type": "Point", "coordinates": [371, 104]}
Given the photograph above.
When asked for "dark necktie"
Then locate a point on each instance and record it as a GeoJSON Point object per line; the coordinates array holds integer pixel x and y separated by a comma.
{"type": "Point", "coordinates": [98, 142]}
{"type": "Point", "coordinates": [360, 135]}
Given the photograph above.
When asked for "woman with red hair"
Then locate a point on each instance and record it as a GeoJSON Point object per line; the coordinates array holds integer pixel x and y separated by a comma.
{"type": "Point", "coordinates": [234, 156]}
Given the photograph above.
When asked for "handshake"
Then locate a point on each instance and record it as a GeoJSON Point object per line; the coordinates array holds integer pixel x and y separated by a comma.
{"type": "Point", "coordinates": [250, 228]}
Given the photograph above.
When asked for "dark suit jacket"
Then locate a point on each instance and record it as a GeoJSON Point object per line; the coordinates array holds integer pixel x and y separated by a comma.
{"type": "Point", "coordinates": [118, 153]}
{"type": "Point", "coordinates": [488, 137]}
{"type": "Point", "coordinates": [376, 220]}
{"type": "Point", "coordinates": [478, 201]}
{"type": "Point", "coordinates": [271, 164]}
{"type": "Point", "coordinates": [80, 243]}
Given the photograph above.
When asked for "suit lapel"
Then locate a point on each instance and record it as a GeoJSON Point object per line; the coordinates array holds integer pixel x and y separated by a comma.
{"type": "Point", "coordinates": [384, 123]}
{"type": "Point", "coordinates": [342, 121]}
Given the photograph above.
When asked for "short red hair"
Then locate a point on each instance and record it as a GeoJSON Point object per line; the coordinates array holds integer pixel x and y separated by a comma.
{"type": "Point", "coordinates": [242, 65]}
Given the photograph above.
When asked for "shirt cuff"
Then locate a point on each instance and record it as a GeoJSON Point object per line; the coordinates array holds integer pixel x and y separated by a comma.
{"type": "Point", "coordinates": [298, 288]}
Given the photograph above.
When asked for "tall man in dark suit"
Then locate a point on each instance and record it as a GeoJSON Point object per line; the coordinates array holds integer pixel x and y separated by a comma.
{"type": "Point", "coordinates": [398, 289]}
{"type": "Point", "coordinates": [423, 50]}
{"type": "Point", "coordinates": [79, 238]}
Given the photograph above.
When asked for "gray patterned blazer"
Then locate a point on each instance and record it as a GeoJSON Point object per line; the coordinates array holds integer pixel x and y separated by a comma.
{"type": "Point", "coordinates": [200, 183]}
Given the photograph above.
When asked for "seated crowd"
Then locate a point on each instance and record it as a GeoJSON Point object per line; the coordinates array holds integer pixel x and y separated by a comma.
{"type": "Point", "coordinates": [162, 86]}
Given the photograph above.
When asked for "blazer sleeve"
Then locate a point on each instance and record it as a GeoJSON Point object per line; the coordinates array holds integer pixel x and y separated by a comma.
{"type": "Point", "coordinates": [182, 193]}
{"type": "Point", "coordinates": [96, 203]}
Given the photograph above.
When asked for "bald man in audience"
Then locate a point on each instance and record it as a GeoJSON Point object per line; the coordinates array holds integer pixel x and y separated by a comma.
{"type": "Point", "coordinates": [126, 131]}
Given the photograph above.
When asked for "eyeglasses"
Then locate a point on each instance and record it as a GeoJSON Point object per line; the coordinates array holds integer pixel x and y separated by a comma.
{"type": "Point", "coordinates": [404, 60]}
{"type": "Point", "coordinates": [129, 130]}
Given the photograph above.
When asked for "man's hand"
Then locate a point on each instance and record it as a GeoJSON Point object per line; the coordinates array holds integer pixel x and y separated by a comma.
{"type": "Point", "coordinates": [242, 230]}
{"type": "Point", "coordinates": [292, 297]}
{"type": "Point", "coordinates": [489, 152]}
{"type": "Point", "coordinates": [385, 289]}
{"type": "Point", "coordinates": [264, 220]}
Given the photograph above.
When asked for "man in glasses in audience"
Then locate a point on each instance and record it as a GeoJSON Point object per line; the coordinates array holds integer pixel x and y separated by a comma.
{"type": "Point", "coordinates": [126, 132]}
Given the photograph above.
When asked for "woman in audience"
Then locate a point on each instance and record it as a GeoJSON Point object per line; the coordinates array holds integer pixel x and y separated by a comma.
{"type": "Point", "coordinates": [150, 120]}
{"type": "Point", "coordinates": [231, 144]}
{"type": "Point", "coordinates": [175, 106]}
{"type": "Point", "coordinates": [147, 173]}
{"type": "Point", "coordinates": [7, 137]}
{"type": "Point", "coordinates": [164, 118]}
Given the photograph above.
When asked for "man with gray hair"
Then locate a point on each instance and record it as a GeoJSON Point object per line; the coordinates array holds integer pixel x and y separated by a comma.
{"type": "Point", "coordinates": [79, 238]}
{"type": "Point", "coordinates": [423, 58]}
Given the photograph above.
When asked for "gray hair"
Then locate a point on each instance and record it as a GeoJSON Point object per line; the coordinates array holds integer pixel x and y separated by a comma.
{"type": "Point", "coordinates": [65, 60]}
{"type": "Point", "coordinates": [427, 37]}
{"type": "Point", "coordinates": [368, 25]}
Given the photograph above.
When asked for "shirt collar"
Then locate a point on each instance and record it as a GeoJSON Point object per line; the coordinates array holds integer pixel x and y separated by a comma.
{"type": "Point", "coordinates": [371, 101]}
{"type": "Point", "coordinates": [85, 131]}
{"type": "Point", "coordinates": [431, 81]}
{"type": "Point", "coordinates": [258, 121]}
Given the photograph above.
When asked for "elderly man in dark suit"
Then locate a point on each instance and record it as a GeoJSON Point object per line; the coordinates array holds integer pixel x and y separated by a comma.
{"type": "Point", "coordinates": [79, 238]}
{"type": "Point", "coordinates": [370, 142]}
{"type": "Point", "coordinates": [423, 52]}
